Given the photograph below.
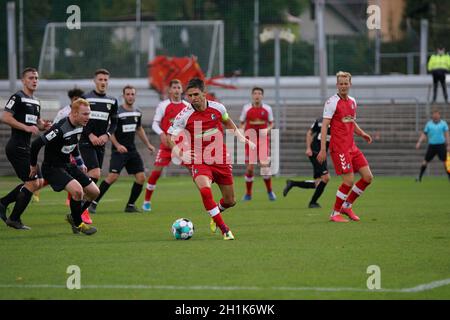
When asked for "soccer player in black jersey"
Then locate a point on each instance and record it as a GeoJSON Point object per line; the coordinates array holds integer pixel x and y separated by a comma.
{"type": "Point", "coordinates": [101, 126]}
{"type": "Point", "coordinates": [22, 114]}
{"type": "Point", "coordinates": [61, 141]}
{"type": "Point", "coordinates": [321, 175]}
{"type": "Point", "coordinates": [123, 150]}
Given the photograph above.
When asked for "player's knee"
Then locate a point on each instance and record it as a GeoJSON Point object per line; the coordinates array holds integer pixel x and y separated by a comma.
{"type": "Point", "coordinates": [230, 202]}
{"type": "Point", "coordinates": [77, 194]}
{"type": "Point", "coordinates": [368, 178]}
{"type": "Point", "coordinates": [140, 179]}
{"type": "Point", "coordinates": [325, 178]}
{"type": "Point", "coordinates": [33, 185]}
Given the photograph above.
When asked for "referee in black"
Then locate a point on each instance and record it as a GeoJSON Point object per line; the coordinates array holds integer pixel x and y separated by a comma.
{"type": "Point", "coordinates": [321, 175]}
{"type": "Point", "coordinates": [124, 152]}
{"type": "Point", "coordinates": [61, 141]}
{"type": "Point", "coordinates": [101, 126]}
{"type": "Point", "coordinates": [22, 114]}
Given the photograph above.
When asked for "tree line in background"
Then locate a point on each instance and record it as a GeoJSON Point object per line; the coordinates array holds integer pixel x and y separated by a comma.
{"type": "Point", "coordinates": [353, 54]}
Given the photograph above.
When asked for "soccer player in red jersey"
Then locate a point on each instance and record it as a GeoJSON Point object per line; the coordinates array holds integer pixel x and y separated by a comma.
{"type": "Point", "coordinates": [340, 113]}
{"type": "Point", "coordinates": [165, 113]}
{"type": "Point", "coordinates": [206, 156]}
{"type": "Point", "coordinates": [257, 121]}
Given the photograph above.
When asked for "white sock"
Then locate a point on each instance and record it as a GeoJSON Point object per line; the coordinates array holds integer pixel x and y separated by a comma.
{"type": "Point", "coordinates": [335, 213]}
{"type": "Point", "coordinates": [347, 205]}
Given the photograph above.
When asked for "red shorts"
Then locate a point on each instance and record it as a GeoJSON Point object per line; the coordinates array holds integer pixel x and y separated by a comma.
{"type": "Point", "coordinates": [218, 173]}
{"type": "Point", "coordinates": [163, 157]}
{"type": "Point", "coordinates": [259, 155]}
{"type": "Point", "coordinates": [348, 161]}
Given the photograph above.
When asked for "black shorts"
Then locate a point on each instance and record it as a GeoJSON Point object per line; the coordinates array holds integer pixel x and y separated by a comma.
{"type": "Point", "coordinates": [92, 155]}
{"type": "Point", "coordinates": [59, 177]}
{"type": "Point", "coordinates": [436, 149]}
{"type": "Point", "coordinates": [320, 169]}
{"type": "Point", "coordinates": [131, 160]}
{"type": "Point", "coordinates": [19, 156]}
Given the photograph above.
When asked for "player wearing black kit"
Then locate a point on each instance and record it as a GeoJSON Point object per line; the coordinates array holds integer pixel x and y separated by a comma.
{"type": "Point", "coordinates": [101, 125]}
{"type": "Point", "coordinates": [124, 152]}
{"type": "Point", "coordinates": [321, 175]}
{"type": "Point", "coordinates": [22, 114]}
{"type": "Point", "coordinates": [61, 141]}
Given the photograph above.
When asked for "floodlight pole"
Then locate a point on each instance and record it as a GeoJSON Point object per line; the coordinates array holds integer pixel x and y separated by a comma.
{"type": "Point", "coordinates": [320, 5]}
{"type": "Point", "coordinates": [138, 38]}
{"type": "Point", "coordinates": [423, 45]}
{"type": "Point", "coordinates": [12, 53]}
{"type": "Point", "coordinates": [256, 39]}
{"type": "Point", "coordinates": [277, 64]}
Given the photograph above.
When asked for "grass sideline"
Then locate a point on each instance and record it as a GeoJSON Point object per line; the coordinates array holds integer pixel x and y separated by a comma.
{"type": "Point", "coordinates": [283, 249]}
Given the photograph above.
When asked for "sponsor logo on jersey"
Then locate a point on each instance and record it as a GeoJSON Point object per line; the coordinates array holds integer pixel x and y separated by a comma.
{"type": "Point", "coordinates": [108, 106]}
{"type": "Point", "coordinates": [98, 115]}
{"type": "Point", "coordinates": [49, 136]}
{"type": "Point", "coordinates": [213, 117]}
{"type": "Point", "coordinates": [207, 133]}
{"type": "Point", "coordinates": [30, 118]}
{"type": "Point", "coordinates": [347, 119]}
{"type": "Point", "coordinates": [11, 103]}
{"type": "Point", "coordinates": [68, 149]}
{"type": "Point", "coordinates": [129, 127]}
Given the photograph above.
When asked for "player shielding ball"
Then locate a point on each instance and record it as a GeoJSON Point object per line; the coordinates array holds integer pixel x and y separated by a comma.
{"type": "Point", "coordinates": [340, 114]}
{"type": "Point", "coordinates": [206, 157]}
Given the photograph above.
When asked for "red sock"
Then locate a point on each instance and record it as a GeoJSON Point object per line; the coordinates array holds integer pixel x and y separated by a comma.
{"type": "Point", "coordinates": [249, 183]}
{"type": "Point", "coordinates": [151, 184]}
{"type": "Point", "coordinates": [208, 200]}
{"type": "Point", "coordinates": [213, 210]}
{"type": "Point", "coordinates": [268, 182]}
{"type": "Point", "coordinates": [220, 223]}
{"type": "Point", "coordinates": [357, 190]}
{"type": "Point", "coordinates": [341, 196]}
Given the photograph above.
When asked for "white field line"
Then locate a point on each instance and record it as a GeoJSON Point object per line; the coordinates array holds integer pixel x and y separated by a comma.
{"type": "Point", "coordinates": [419, 288]}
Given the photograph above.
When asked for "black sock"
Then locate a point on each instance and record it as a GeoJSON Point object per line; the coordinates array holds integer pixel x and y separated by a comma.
{"type": "Point", "coordinates": [22, 201]}
{"type": "Point", "coordinates": [319, 190]}
{"type": "Point", "coordinates": [85, 205]}
{"type": "Point", "coordinates": [75, 211]}
{"type": "Point", "coordinates": [135, 192]}
{"type": "Point", "coordinates": [12, 196]}
{"type": "Point", "coordinates": [104, 186]}
{"type": "Point", "coordinates": [304, 184]}
{"type": "Point", "coordinates": [422, 170]}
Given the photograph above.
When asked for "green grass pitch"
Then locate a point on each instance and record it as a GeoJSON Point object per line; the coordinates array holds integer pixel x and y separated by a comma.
{"type": "Point", "coordinates": [283, 250]}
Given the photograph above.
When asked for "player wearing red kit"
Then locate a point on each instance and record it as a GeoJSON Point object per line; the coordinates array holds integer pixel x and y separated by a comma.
{"type": "Point", "coordinates": [257, 121]}
{"type": "Point", "coordinates": [340, 113]}
{"type": "Point", "coordinates": [165, 114]}
{"type": "Point", "coordinates": [206, 156]}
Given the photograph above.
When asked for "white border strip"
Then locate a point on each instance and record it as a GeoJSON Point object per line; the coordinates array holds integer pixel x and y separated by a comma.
{"type": "Point", "coordinates": [419, 288]}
